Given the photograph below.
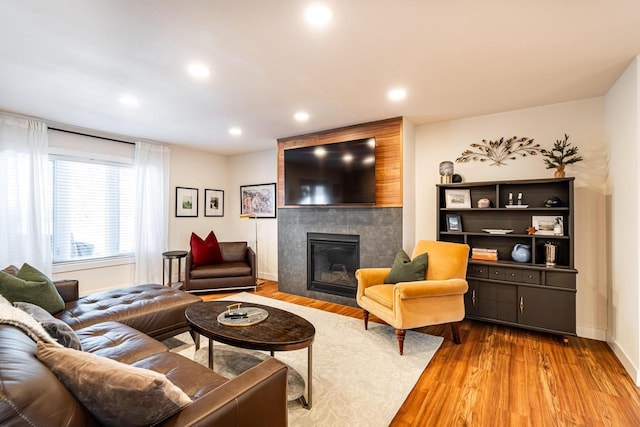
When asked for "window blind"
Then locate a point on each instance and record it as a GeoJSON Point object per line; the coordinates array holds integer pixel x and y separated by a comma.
{"type": "Point", "coordinates": [91, 199]}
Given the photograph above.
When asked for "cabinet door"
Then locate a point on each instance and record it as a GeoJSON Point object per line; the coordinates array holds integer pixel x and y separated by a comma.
{"type": "Point", "coordinates": [471, 299]}
{"type": "Point", "coordinates": [549, 309]}
{"type": "Point", "coordinates": [487, 300]}
{"type": "Point", "coordinates": [481, 300]}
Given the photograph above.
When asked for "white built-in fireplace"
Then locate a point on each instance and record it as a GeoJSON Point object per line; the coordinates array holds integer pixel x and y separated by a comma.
{"type": "Point", "coordinates": [332, 261]}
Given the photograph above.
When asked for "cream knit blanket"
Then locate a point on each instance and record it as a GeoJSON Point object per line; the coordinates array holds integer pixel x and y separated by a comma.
{"type": "Point", "coordinates": [10, 315]}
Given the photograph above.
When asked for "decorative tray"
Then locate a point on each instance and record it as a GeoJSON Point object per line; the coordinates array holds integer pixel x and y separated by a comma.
{"type": "Point", "coordinates": [496, 231]}
{"type": "Point", "coordinates": [236, 316]}
{"type": "Point", "coordinates": [516, 206]}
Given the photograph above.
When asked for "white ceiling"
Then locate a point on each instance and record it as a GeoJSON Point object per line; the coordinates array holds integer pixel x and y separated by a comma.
{"type": "Point", "coordinates": [69, 62]}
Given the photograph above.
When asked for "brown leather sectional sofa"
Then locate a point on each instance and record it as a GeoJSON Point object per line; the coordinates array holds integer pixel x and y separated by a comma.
{"type": "Point", "coordinates": [121, 325]}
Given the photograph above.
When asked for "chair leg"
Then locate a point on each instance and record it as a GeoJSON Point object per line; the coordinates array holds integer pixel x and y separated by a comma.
{"type": "Point", "coordinates": [400, 334]}
{"type": "Point", "coordinates": [365, 316]}
{"type": "Point", "coordinates": [455, 330]}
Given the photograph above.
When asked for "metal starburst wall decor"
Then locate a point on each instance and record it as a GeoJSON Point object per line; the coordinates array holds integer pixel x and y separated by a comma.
{"type": "Point", "coordinates": [501, 150]}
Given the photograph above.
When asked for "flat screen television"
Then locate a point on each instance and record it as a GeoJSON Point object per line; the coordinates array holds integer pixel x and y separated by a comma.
{"type": "Point", "coordinates": [342, 173]}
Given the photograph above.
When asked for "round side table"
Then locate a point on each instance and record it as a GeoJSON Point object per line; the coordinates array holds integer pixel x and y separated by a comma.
{"type": "Point", "coordinates": [170, 256]}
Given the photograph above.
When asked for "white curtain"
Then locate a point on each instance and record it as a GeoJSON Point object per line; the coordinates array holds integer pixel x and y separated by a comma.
{"type": "Point", "coordinates": [152, 210]}
{"type": "Point", "coordinates": [24, 219]}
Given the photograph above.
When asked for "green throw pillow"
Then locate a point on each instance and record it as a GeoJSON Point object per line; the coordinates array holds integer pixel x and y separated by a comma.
{"type": "Point", "coordinates": [31, 285]}
{"type": "Point", "coordinates": [406, 270]}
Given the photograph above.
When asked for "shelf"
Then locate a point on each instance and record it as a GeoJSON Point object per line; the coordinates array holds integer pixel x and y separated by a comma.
{"type": "Point", "coordinates": [509, 263]}
{"type": "Point", "coordinates": [508, 235]}
{"type": "Point", "coordinates": [530, 295]}
{"type": "Point", "coordinates": [511, 210]}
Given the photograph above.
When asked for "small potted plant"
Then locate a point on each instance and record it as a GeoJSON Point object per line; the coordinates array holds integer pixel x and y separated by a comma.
{"type": "Point", "coordinates": [561, 155]}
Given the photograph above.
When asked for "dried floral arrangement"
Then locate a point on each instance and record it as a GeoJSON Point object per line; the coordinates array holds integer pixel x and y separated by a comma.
{"type": "Point", "coordinates": [501, 150]}
{"type": "Point", "coordinates": [562, 154]}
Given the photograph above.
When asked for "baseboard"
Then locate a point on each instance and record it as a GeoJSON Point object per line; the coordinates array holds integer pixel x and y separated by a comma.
{"type": "Point", "coordinates": [269, 276]}
{"type": "Point", "coordinates": [624, 359]}
{"type": "Point", "coordinates": [591, 333]}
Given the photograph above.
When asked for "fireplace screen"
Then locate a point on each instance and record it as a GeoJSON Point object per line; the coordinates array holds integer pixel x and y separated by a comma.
{"type": "Point", "coordinates": [332, 261]}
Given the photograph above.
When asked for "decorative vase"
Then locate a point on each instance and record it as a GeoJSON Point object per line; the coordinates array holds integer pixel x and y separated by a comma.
{"type": "Point", "coordinates": [559, 173]}
{"type": "Point", "coordinates": [521, 253]}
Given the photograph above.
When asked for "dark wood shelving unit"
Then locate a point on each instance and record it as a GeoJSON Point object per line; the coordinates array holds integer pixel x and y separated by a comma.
{"type": "Point", "coordinates": [530, 294]}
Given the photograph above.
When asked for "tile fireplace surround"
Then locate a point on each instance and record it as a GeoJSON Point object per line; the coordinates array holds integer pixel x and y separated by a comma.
{"type": "Point", "coordinates": [380, 231]}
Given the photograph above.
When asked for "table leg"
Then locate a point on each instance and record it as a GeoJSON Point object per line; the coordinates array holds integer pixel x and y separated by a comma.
{"type": "Point", "coordinates": [307, 403]}
{"type": "Point", "coordinates": [210, 354]}
{"type": "Point", "coordinates": [170, 274]}
{"type": "Point", "coordinates": [164, 274]}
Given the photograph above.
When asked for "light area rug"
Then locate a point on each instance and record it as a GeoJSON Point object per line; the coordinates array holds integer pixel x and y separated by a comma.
{"type": "Point", "coordinates": [359, 377]}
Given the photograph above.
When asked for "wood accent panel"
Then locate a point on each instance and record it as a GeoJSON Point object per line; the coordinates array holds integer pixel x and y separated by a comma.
{"type": "Point", "coordinates": [388, 135]}
{"type": "Point", "coordinates": [502, 376]}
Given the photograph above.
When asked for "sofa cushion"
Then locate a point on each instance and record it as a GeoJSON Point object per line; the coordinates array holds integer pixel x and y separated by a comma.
{"type": "Point", "coordinates": [118, 342]}
{"type": "Point", "coordinates": [234, 251]}
{"type": "Point", "coordinates": [205, 251]}
{"type": "Point", "coordinates": [194, 379]}
{"type": "Point", "coordinates": [30, 394]}
{"type": "Point", "coordinates": [59, 331]}
{"type": "Point", "coordinates": [405, 269]}
{"type": "Point", "coordinates": [228, 269]}
{"type": "Point", "coordinates": [155, 310]}
{"type": "Point", "coordinates": [31, 285]}
{"type": "Point", "coordinates": [115, 393]}
{"type": "Point", "coordinates": [382, 294]}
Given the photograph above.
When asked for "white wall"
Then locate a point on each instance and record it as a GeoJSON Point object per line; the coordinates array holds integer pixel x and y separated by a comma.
{"type": "Point", "coordinates": [584, 122]}
{"type": "Point", "coordinates": [201, 170]}
{"type": "Point", "coordinates": [249, 169]}
{"type": "Point", "coordinates": [623, 126]}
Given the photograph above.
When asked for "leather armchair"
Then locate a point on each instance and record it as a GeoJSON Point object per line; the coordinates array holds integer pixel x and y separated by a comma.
{"type": "Point", "coordinates": [236, 272]}
{"type": "Point", "coordinates": [406, 305]}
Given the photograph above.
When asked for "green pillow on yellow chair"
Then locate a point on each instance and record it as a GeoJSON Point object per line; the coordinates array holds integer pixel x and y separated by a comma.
{"type": "Point", "coordinates": [405, 269]}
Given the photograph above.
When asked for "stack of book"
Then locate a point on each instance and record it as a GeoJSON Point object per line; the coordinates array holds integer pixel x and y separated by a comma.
{"type": "Point", "coordinates": [484, 254]}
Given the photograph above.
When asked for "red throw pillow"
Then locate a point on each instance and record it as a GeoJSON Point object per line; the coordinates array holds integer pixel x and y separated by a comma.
{"type": "Point", "coordinates": [205, 251]}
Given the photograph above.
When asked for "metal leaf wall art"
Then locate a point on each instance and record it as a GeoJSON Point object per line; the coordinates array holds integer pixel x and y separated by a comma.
{"type": "Point", "coordinates": [501, 150]}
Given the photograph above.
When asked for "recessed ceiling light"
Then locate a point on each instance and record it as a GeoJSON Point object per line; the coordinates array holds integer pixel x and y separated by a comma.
{"type": "Point", "coordinates": [129, 101]}
{"type": "Point", "coordinates": [397, 94]}
{"type": "Point", "coordinates": [318, 14]}
{"type": "Point", "coordinates": [301, 116]}
{"type": "Point", "coordinates": [320, 152]}
{"type": "Point", "coordinates": [235, 131]}
{"type": "Point", "coordinates": [198, 70]}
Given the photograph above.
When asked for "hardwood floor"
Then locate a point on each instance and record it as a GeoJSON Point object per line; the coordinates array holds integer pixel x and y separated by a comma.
{"type": "Point", "coordinates": [501, 376]}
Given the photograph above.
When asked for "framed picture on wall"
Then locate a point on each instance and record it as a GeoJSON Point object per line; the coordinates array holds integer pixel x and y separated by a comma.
{"type": "Point", "coordinates": [259, 199]}
{"type": "Point", "coordinates": [213, 202]}
{"type": "Point", "coordinates": [186, 202]}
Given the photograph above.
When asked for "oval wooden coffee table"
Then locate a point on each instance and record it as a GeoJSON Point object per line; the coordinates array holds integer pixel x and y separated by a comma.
{"type": "Point", "coordinates": [280, 331]}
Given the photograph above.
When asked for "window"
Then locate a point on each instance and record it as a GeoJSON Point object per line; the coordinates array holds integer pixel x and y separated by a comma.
{"type": "Point", "coordinates": [92, 206]}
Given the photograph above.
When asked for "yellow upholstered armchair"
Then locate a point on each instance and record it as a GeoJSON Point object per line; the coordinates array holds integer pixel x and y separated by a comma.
{"type": "Point", "coordinates": [406, 305]}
